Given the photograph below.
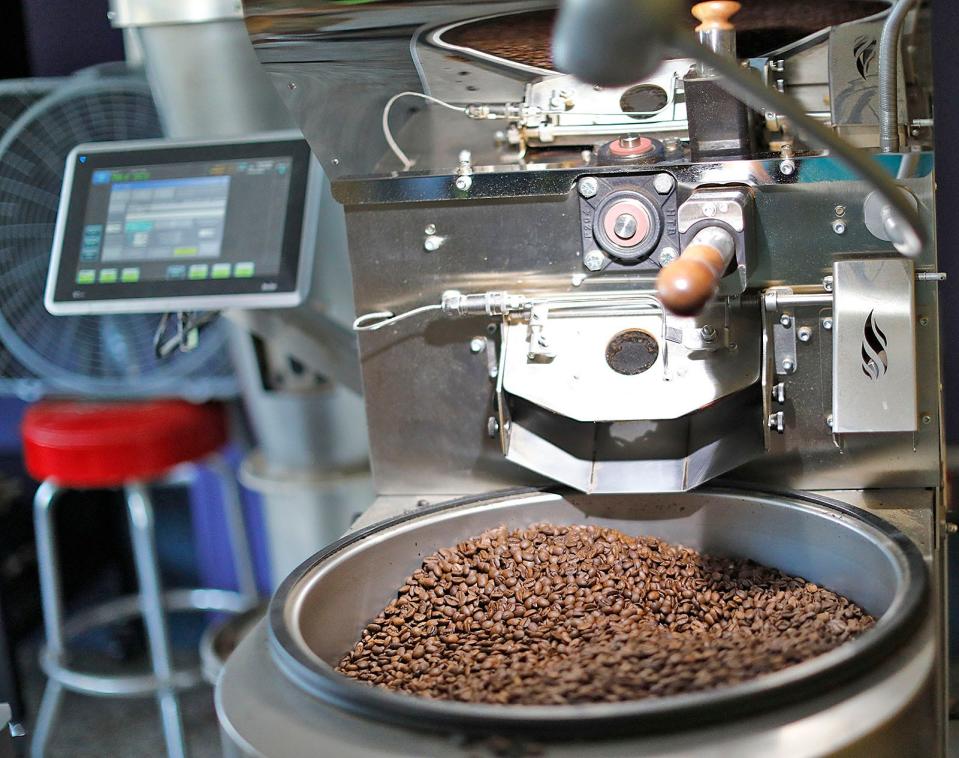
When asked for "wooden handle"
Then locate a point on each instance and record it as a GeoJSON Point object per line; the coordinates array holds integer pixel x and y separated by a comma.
{"type": "Point", "coordinates": [688, 283]}
{"type": "Point", "coordinates": [715, 14]}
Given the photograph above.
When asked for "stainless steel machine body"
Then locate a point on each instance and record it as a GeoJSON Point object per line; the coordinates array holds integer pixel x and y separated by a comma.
{"type": "Point", "coordinates": [505, 249]}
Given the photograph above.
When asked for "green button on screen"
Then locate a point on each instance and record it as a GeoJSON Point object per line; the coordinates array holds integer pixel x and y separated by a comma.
{"type": "Point", "coordinates": [243, 270]}
{"type": "Point", "coordinates": [221, 270]}
{"type": "Point", "coordinates": [86, 276]}
{"type": "Point", "coordinates": [199, 271]}
{"type": "Point", "coordinates": [130, 275]}
{"type": "Point", "coordinates": [108, 275]}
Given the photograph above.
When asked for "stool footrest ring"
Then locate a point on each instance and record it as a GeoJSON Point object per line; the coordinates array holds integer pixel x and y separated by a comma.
{"type": "Point", "coordinates": [127, 607]}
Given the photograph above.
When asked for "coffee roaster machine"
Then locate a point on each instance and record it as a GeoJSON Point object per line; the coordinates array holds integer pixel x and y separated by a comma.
{"type": "Point", "coordinates": [621, 295]}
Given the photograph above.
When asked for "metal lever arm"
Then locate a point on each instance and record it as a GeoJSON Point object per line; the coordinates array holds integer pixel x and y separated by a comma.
{"type": "Point", "coordinates": [688, 283]}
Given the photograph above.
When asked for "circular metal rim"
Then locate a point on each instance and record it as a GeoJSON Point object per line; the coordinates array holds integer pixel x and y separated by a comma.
{"type": "Point", "coordinates": [648, 244]}
{"type": "Point", "coordinates": [790, 686]}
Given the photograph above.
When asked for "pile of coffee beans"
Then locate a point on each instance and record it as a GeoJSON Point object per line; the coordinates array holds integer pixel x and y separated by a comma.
{"type": "Point", "coordinates": [578, 614]}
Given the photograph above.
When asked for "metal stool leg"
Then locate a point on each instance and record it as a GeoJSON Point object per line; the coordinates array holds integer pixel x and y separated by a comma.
{"type": "Point", "coordinates": [140, 510]}
{"type": "Point", "coordinates": [236, 524]}
{"type": "Point", "coordinates": [49, 570]}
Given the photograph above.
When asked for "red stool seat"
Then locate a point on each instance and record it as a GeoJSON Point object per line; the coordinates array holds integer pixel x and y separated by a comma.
{"type": "Point", "coordinates": [96, 444]}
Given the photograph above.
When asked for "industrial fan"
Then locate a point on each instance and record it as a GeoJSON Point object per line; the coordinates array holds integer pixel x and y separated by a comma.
{"type": "Point", "coordinates": [96, 356]}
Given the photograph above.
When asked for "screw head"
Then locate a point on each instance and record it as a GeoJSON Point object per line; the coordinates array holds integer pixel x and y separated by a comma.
{"type": "Point", "coordinates": [430, 229]}
{"type": "Point", "coordinates": [708, 333]}
{"type": "Point", "coordinates": [804, 334]}
{"type": "Point", "coordinates": [827, 283]}
{"type": "Point", "coordinates": [588, 187]}
{"type": "Point", "coordinates": [829, 421]}
{"type": "Point", "coordinates": [433, 243]}
{"type": "Point", "coordinates": [594, 260]}
{"type": "Point", "coordinates": [923, 321]}
{"type": "Point", "coordinates": [477, 344]}
{"type": "Point", "coordinates": [788, 365]}
{"type": "Point", "coordinates": [786, 320]}
{"type": "Point", "coordinates": [839, 226]}
{"type": "Point", "coordinates": [709, 209]}
{"type": "Point", "coordinates": [663, 183]}
{"type": "Point", "coordinates": [787, 168]}
{"type": "Point", "coordinates": [840, 210]}
{"type": "Point", "coordinates": [926, 418]}
{"type": "Point", "coordinates": [827, 323]}
{"type": "Point", "coordinates": [667, 255]}
{"type": "Point", "coordinates": [464, 182]}
{"type": "Point", "coordinates": [291, 85]}
{"type": "Point", "coordinates": [492, 426]}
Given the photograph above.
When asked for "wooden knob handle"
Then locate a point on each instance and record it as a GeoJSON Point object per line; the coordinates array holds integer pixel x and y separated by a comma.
{"type": "Point", "coordinates": [715, 14]}
{"type": "Point", "coordinates": [688, 283]}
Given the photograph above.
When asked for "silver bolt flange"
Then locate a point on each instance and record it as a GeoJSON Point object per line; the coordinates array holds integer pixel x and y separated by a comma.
{"type": "Point", "coordinates": [786, 320]}
{"type": "Point", "coordinates": [667, 255]}
{"type": "Point", "coordinates": [788, 366]}
{"type": "Point", "coordinates": [840, 210]}
{"type": "Point", "coordinates": [463, 183]}
{"type": "Point", "coordinates": [839, 226]}
{"type": "Point", "coordinates": [708, 333]}
{"type": "Point", "coordinates": [663, 183]}
{"type": "Point", "coordinates": [777, 422]}
{"type": "Point", "coordinates": [477, 344]}
{"type": "Point", "coordinates": [433, 243]}
{"type": "Point", "coordinates": [779, 392]}
{"type": "Point", "coordinates": [804, 334]}
{"type": "Point", "coordinates": [588, 187]}
{"type": "Point", "coordinates": [594, 260]}
{"type": "Point", "coordinates": [827, 323]}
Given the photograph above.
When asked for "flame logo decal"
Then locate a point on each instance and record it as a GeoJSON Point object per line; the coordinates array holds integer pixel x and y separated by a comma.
{"type": "Point", "coordinates": [865, 51]}
{"type": "Point", "coordinates": [875, 362]}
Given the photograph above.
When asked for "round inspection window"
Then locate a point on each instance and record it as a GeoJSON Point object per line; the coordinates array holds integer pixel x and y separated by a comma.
{"type": "Point", "coordinates": [632, 352]}
{"type": "Point", "coordinates": [645, 99]}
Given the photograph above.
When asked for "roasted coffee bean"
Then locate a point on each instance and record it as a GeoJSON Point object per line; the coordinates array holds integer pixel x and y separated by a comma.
{"type": "Point", "coordinates": [577, 614]}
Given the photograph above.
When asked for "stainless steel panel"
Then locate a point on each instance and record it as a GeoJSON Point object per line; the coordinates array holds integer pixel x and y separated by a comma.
{"type": "Point", "coordinates": [874, 347]}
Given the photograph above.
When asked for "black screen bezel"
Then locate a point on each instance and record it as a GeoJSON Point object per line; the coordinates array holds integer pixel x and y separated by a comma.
{"type": "Point", "coordinates": [85, 163]}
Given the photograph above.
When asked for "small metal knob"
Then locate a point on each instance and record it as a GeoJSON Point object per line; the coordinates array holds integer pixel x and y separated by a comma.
{"type": "Point", "coordinates": [777, 422]}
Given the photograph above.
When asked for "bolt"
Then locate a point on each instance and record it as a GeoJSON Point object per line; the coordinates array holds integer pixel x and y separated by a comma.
{"type": "Point", "coordinates": [804, 334]}
{"type": "Point", "coordinates": [663, 183]}
{"type": "Point", "coordinates": [594, 260]}
{"type": "Point", "coordinates": [840, 210]}
{"type": "Point", "coordinates": [422, 503]}
{"type": "Point", "coordinates": [625, 226]}
{"type": "Point", "coordinates": [827, 283]}
{"type": "Point", "coordinates": [667, 255]}
{"type": "Point", "coordinates": [577, 279]}
{"type": "Point", "coordinates": [788, 366]}
{"type": "Point", "coordinates": [291, 85]}
{"type": "Point", "coordinates": [926, 418]}
{"type": "Point", "coordinates": [777, 421]}
{"type": "Point", "coordinates": [787, 168]}
{"type": "Point", "coordinates": [464, 182]}
{"type": "Point", "coordinates": [839, 226]}
{"type": "Point", "coordinates": [923, 321]}
{"type": "Point", "coordinates": [477, 344]}
{"type": "Point", "coordinates": [786, 320]}
{"type": "Point", "coordinates": [492, 426]}
{"type": "Point", "coordinates": [433, 243]}
{"type": "Point", "coordinates": [827, 323]}
{"type": "Point", "coordinates": [829, 421]}
{"type": "Point", "coordinates": [951, 528]}
{"type": "Point", "coordinates": [707, 333]}
{"type": "Point", "coordinates": [779, 393]}
{"type": "Point", "coordinates": [709, 209]}
{"type": "Point", "coordinates": [588, 187]}
{"type": "Point", "coordinates": [430, 229]}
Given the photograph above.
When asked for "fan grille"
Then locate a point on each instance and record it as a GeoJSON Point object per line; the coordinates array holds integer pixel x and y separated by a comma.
{"type": "Point", "coordinates": [88, 355]}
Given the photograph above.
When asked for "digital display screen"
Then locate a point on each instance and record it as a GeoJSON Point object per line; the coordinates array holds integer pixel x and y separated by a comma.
{"type": "Point", "coordinates": [183, 221]}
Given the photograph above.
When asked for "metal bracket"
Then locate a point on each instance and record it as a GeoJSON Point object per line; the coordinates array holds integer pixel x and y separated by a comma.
{"type": "Point", "coordinates": [539, 349]}
{"type": "Point", "coordinates": [784, 344]}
